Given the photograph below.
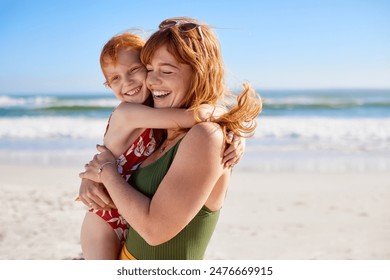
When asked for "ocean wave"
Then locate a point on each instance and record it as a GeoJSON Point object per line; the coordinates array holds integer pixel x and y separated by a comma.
{"type": "Point", "coordinates": [73, 108]}
{"type": "Point", "coordinates": [324, 133]}
{"type": "Point", "coordinates": [281, 104]}
{"type": "Point", "coordinates": [272, 132]}
{"type": "Point", "coordinates": [57, 102]}
{"type": "Point", "coordinates": [52, 127]}
{"type": "Point", "coordinates": [325, 103]}
{"type": "Point", "coordinates": [323, 128]}
{"type": "Point", "coordinates": [86, 104]}
{"type": "Point", "coordinates": [270, 101]}
{"type": "Point", "coordinates": [30, 101]}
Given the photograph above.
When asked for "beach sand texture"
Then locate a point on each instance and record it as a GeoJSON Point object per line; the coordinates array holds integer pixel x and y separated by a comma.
{"type": "Point", "coordinates": [275, 215]}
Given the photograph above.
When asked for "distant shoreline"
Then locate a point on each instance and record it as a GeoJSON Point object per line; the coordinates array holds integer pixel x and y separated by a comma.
{"type": "Point", "coordinates": [257, 89]}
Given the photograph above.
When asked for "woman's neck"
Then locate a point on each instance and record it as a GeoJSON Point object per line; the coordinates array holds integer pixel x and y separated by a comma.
{"type": "Point", "coordinates": [172, 137]}
{"type": "Point", "coordinates": [172, 133]}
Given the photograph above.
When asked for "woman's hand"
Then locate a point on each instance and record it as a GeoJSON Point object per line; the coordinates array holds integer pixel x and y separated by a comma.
{"type": "Point", "coordinates": [94, 195]}
{"type": "Point", "coordinates": [234, 150]}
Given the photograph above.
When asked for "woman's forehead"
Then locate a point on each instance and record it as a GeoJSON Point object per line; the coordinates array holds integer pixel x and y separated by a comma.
{"type": "Point", "coordinates": [163, 56]}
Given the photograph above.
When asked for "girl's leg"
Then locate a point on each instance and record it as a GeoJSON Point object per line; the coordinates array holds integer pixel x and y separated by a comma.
{"type": "Point", "coordinates": [98, 239]}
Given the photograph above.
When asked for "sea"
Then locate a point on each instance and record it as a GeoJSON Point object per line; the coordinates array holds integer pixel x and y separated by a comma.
{"type": "Point", "coordinates": [298, 130]}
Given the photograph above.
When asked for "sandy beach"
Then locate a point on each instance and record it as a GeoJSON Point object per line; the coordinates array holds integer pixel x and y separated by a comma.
{"type": "Point", "coordinates": [280, 216]}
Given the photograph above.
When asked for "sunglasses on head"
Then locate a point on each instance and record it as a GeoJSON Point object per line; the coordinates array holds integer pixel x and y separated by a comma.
{"type": "Point", "coordinates": [183, 26]}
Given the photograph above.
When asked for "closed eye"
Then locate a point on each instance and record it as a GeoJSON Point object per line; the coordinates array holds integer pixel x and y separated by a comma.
{"type": "Point", "coordinates": [135, 69]}
{"type": "Point", "coordinates": [113, 79]}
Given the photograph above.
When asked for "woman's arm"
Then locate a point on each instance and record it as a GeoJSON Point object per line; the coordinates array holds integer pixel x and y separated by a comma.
{"type": "Point", "coordinates": [120, 131]}
{"type": "Point", "coordinates": [187, 186]}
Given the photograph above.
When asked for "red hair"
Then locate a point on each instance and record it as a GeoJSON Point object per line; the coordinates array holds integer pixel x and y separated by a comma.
{"type": "Point", "coordinates": [123, 41]}
{"type": "Point", "coordinates": [201, 50]}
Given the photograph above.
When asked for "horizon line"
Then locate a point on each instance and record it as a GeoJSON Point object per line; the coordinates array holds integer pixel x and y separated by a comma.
{"type": "Point", "coordinates": [232, 89]}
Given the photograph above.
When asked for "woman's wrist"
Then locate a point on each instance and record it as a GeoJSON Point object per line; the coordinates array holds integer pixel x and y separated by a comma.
{"type": "Point", "coordinates": [107, 170]}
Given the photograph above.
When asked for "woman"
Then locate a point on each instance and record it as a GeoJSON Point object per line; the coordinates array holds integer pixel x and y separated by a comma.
{"type": "Point", "coordinates": [175, 196]}
{"type": "Point", "coordinates": [104, 231]}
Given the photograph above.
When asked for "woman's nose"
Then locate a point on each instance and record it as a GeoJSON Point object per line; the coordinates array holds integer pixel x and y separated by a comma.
{"type": "Point", "coordinates": [152, 79]}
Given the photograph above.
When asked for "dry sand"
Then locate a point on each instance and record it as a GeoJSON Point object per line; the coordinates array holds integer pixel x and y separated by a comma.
{"type": "Point", "coordinates": [266, 215]}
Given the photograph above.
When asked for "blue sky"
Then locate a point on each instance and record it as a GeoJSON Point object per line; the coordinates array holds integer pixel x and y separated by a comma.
{"type": "Point", "coordinates": [54, 46]}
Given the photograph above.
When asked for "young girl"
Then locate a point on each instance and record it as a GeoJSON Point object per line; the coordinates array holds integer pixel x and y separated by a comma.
{"type": "Point", "coordinates": [104, 231]}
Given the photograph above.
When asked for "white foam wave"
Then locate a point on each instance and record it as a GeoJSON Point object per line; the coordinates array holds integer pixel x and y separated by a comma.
{"type": "Point", "coordinates": [313, 101]}
{"type": "Point", "coordinates": [272, 132]}
{"type": "Point", "coordinates": [52, 127]}
{"type": "Point", "coordinates": [48, 101]}
{"type": "Point", "coordinates": [280, 143]}
{"type": "Point", "coordinates": [101, 102]}
{"type": "Point", "coordinates": [323, 133]}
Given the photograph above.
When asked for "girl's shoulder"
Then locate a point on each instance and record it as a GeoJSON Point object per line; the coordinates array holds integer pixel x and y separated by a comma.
{"type": "Point", "coordinates": [126, 105]}
{"type": "Point", "coordinates": [126, 110]}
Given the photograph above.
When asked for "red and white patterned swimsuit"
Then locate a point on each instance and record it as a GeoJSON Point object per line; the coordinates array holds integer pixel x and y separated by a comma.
{"type": "Point", "coordinates": [142, 147]}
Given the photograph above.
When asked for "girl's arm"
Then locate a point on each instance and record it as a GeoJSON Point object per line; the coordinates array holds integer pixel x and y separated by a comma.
{"type": "Point", "coordinates": [96, 193]}
{"type": "Point", "coordinates": [129, 116]}
{"type": "Point", "coordinates": [142, 116]}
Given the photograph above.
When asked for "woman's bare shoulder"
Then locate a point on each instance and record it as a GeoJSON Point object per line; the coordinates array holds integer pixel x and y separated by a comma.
{"type": "Point", "coordinates": [206, 133]}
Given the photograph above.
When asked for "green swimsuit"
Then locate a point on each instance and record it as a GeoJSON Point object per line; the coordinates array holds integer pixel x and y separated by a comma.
{"type": "Point", "coordinates": [192, 241]}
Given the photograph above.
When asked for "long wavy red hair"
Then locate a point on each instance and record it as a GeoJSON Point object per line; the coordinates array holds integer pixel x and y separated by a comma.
{"type": "Point", "coordinates": [200, 49]}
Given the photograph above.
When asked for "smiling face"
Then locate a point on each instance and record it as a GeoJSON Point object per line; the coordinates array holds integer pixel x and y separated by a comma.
{"type": "Point", "coordinates": [168, 80]}
{"type": "Point", "coordinates": [127, 77]}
